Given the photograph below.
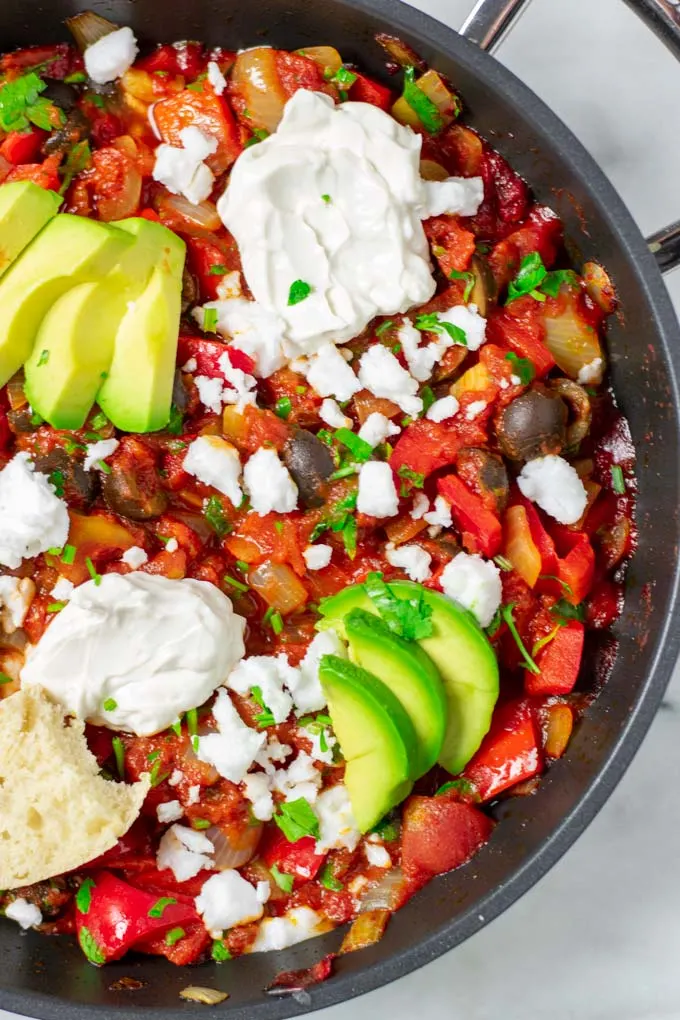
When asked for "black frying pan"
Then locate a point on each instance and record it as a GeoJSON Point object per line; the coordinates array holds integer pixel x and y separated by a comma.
{"type": "Point", "coordinates": [50, 978]}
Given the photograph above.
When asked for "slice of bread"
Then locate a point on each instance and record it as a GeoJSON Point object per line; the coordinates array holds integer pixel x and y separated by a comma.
{"type": "Point", "coordinates": [56, 811]}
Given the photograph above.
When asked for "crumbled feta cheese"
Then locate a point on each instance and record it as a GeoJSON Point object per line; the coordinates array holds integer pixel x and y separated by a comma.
{"type": "Point", "coordinates": [268, 672]}
{"type": "Point", "coordinates": [317, 556]}
{"type": "Point", "coordinates": [421, 505]}
{"type": "Point", "coordinates": [272, 754]}
{"type": "Point", "coordinates": [181, 168]}
{"type": "Point", "coordinates": [268, 483]}
{"type": "Point", "coordinates": [184, 851]}
{"type": "Point", "coordinates": [304, 683]}
{"type": "Point", "coordinates": [556, 487]}
{"type": "Point", "coordinates": [111, 56]}
{"type": "Point", "coordinates": [170, 811]}
{"type": "Point", "coordinates": [96, 453]}
{"type": "Point", "coordinates": [337, 827]}
{"type": "Point", "coordinates": [377, 494]}
{"type": "Point", "coordinates": [263, 891]}
{"type": "Point", "coordinates": [256, 788]}
{"type": "Point", "coordinates": [134, 557]}
{"type": "Point", "coordinates": [32, 518]}
{"type": "Point", "coordinates": [474, 409]}
{"type": "Point", "coordinates": [515, 380]}
{"type": "Point", "coordinates": [377, 428]}
{"type": "Point", "coordinates": [441, 515]}
{"type": "Point", "coordinates": [62, 590]}
{"type": "Point", "coordinates": [456, 196]}
{"type": "Point", "coordinates": [332, 415]}
{"type": "Point", "coordinates": [474, 583]}
{"type": "Point", "coordinates": [216, 462]}
{"type": "Point", "coordinates": [330, 375]}
{"type": "Point", "coordinates": [470, 321]}
{"type": "Point", "coordinates": [296, 925]}
{"type": "Point", "coordinates": [190, 365]}
{"type": "Point", "coordinates": [300, 780]}
{"type": "Point", "coordinates": [226, 900]}
{"type": "Point", "coordinates": [176, 777]}
{"type": "Point", "coordinates": [412, 559]}
{"type": "Point", "coordinates": [381, 374]}
{"type": "Point", "coordinates": [420, 360]}
{"type": "Point", "coordinates": [377, 856]}
{"type": "Point", "coordinates": [591, 373]}
{"type": "Point", "coordinates": [443, 408]}
{"type": "Point", "coordinates": [210, 390]}
{"type": "Point", "coordinates": [252, 329]}
{"type": "Point", "coordinates": [172, 545]}
{"type": "Point", "coordinates": [233, 749]}
{"type": "Point", "coordinates": [26, 914]}
{"type": "Point", "coordinates": [216, 78]}
{"type": "Point", "coordinates": [16, 595]}
{"type": "Point", "coordinates": [193, 795]}
{"type": "Point", "coordinates": [240, 390]}
{"type": "Point", "coordinates": [230, 286]}
{"type": "Point", "coordinates": [329, 741]}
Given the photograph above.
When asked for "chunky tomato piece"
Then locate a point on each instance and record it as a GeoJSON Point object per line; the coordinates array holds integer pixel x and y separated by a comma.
{"type": "Point", "coordinates": [208, 112]}
{"type": "Point", "coordinates": [452, 245]}
{"type": "Point", "coordinates": [559, 662]}
{"type": "Point", "coordinates": [510, 752]}
{"type": "Point", "coordinates": [438, 835]}
{"type": "Point", "coordinates": [56, 61]}
{"type": "Point", "coordinates": [298, 859]}
{"type": "Point", "coordinates": [425, 446]}
{"type": "Point", "coordinates": [542, 232]}
{"type": "Point", "coordinates": [296, 71]}
{"type": "Point", "coordinates": [186, 58]}
{"type": "Point", "coordinates": [23, 146]}
{"type": "Point", "coordinates": [114, 184]}
{"type": "Point", "coordinates": [210, 259]}
{"type": "Point", "coordinates": [481, 529]}
{"type": "Point", "coordinates": [519, 326]}
{"type": "Point", "coordinates": [367, 90]}
{"type": "Point", "coordinates": [44, 174]}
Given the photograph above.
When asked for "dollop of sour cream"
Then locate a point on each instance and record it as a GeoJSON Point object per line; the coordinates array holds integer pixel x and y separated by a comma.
{"type": "Point", "coordinates": [333, 200]}
{"type": "Point", "coordinates": [135, 651]}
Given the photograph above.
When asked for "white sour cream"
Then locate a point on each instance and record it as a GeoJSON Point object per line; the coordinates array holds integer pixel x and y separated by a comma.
{"type": "Point", "coordinates": [334, 199]}
{"type": "Point", "coordinates": [136, 651]}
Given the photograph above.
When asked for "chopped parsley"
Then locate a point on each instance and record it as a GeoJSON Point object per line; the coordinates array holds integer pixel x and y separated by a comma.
{"type": "Point", "coordinates": [175, 421]}
{"type": "Point", "coordinates": [266, 716]}
{"type": "Point", "coordinates": [200, 823]}
{"type": "Point", "coordinates": [110, 705]}
{"type": "Point", "coordinates": [521, 367]}
{"type": "Point", "coordinates": [213, 511]}
{"type": "Point", "coordinates": [283, 407]}
{"type": "Point", "coordinates": [57, 480]}
{"type": "Point", "coordinates": [542, 642]}
{"type": "Point", "coordinates": [328, 879]}
{"type": "Point", "coordinates": [89, 946]}
{"type": "Point", "coordinates": [428, 398]}
{"type": "Point", "coordinates": [530, 276]}
{"type": "Point", "coordinates": [55, 607]}
{"type": "Point", "coordinates": [174, 936]}
{"type": "Point", "coordinates": [71, 446]}
{"type": "Point", "coordinates": [326, 198]}
{"type": "Point", "coordinates": [79, 158]}
{"type": "Point", "coordinates": [219, 951]}
{"type": "Point", "coordinates": [349, 536]}
{"type": "Point", "coordinates": [409, 618]}
{"type": "Point", "coordinates": [433, 324]}
{"type": "Point", "coordinates": [502, 563]}
{"type": "Point", "coordinates": [217, 271]}
{"type": "Point", "coordinates": [427, 112]}
{"type": "Point", "coordinates": [462, 786]}
{"type": "Point", "coordinates": [84, 895]}
{"type": "Point", "coordinates": [551, 577]}
{"type": "Point", "coordinates": [384, 326]}
{"type": "Point", "coordinates": [158, 909]}
{"type": "Point", "coordinates": [44, 358]}
{"type": "Point", "coordinates": [618, 481]}
{"type": "Point", "coordinates": [359, 448]}
{"type": "Point", "coordinates": [340, 519]}
{"type": "Point", "coordinates": [276, 622]}
{"type": "Point", "coordinates": [469, 278]}
{"type": "Point", "coordinates": [192, 722]}
{"type": "Point", "coordinates": [299, 290]}
{"type": "Point", "coordinates": [155, 776]}
{"type": "Point", "coordinates": [22, 105]}
{"type": "Point", "coordinates": [558, 278]}
{"type": "Point", "coordinates": [506, 614]}
{"type": "Point", "coordinates": [386, 829]}
{"type": "Point", "coordinates": [4, 679]}
{"type": "Point", "coordinates": [238, 585]}
{"type": "Point", "coordinates": [209, 320]}
{"type": "Point", "coordinates": [119, 755]}
{"type": "Point", "coordinates": [283, 881]}
{"type": "Point", "coordinates": [416, 479]}
{"type": "Point", "coordinates": [343, 77]}
{"type": "Point", "coordinates": [565, 611]}
{"type": "Point", "coordinates": [91, 569]}
{"type": "Point", "coordinates": [296, 819]}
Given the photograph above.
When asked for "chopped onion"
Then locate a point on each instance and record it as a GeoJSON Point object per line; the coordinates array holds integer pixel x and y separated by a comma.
{"type": "Point", "coordinates": [15, 391]}
{"type": "Point", "coordinates": [327, 57]}
{"type": "Point", "coordinates": [572, 342]}
{"type": "Point", "coordinates": [279, 586]}
{"type": "Point", "coordinates": [88, 27]}
{"type": "Point", "coordinates": [254, 76]}
{"type": "Point", "coordinates": [386, 895]}
{"type": "Point", "coordinates": [206, 996]}
{"type": "Point", "coordinates": [230, 853]}
{"type": "Point", "coordinates": [181, 215]}
{"type": "Point", "coordinates": [558, 730]}
{"type": "Point", "coordinates": [368, 929]}
{"type": "Point", "coordinates": [400, 52]}
{"type": "Point", "coordinates": [431, 171]}
{"type": "Point", "coordinates": [599, 287]}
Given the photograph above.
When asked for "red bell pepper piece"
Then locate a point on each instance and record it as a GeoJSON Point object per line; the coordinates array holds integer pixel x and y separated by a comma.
{"type": "Point", "coordinates": [207, 111]}
{"type": "Point", "coordinates": [60, 59]}
{"type": "Point", "coordinates": [112, 916]}
{"type": "Point", "coordinates": [298, 859]}
{"type": "Point", "coordinates": [519, 326]}
{"type": "Point", "coordinates": [481, 528]}
{"type": "Point", "coordinates": [208, 353]}
{"type": "Point", "coordinates": [559, 662]}
{"type": "Point", "coordinates": [187, 59]}
{"type": "Point", "coordinates": [576, 570]}
{"type": "Point", "coordinates": [23, 146]}
{"type": "Point", "coordinates": [367, 90]}
{"type": "Point", "coordinates": [162, 882]}
{"type": "Point", "coordinates": [438, 835]}
{"type": "Point", "coordinates": [43, 174]}
{"type": "Point", "coordinates": [456, 244]}
{"type": "Point", "coordinates": [540, 536]}
{"type": "Point", "coordinates": [510, 752]}
{"type": "Point", "coordinates": [425, 446]}
{"type": "Point", "coordinates": [203, 254]}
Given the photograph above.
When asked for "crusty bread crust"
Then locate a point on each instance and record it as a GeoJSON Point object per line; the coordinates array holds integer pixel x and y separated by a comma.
{"type": "Point", "coordinates": [56, 811]}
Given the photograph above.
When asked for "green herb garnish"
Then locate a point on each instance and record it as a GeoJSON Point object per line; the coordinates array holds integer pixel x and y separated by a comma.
{"type": "Point", "coordinates": [174, 936]}
{"type": "Point", "coordinates": [359, 448]}
{"type": "Point", "coordinates": [566, 611]}
{"type": "Point", "coordinates": [506, 613]}
{"type": "Point", "coordinates": [469, 278]}
{"type": "Point", "coordinates": [89, 946]}
{"type": "Point", "coordinates": [328, 879]}
{"type": "Point", "coordinates": [384, 326]}
{"type": "Point", "coordinates": [119, 755]}
{"type": "Point", "coordinates": [84, 895]}
{"type": "Point", "coordinates": [283, 407]}
{"type": "Point", "coordinates": [218, 271]}
{"type": "Point", "coordinates": [427, 112]}
{"type": "Point", "coordinates": [219, 951]}
{"type": "Point", "coordinates": [266, 716]}
{"type": "Point", "coordinates": [214, 514]}
{"type": "Point", "coordinates": [110, 705]}
{"type": "Point", "coordinates": [618, 481]}
{"type": "Point", "coordinates": [283, 881]}
{"type": "Point", "coordinates": [209, 320]}
{"type": "Point", "coordinates": [158, 909]}
{"type": "Point", "coordinates": [299, 290]}
{"type": "Point", "coordinates": [92, 571]}
{"type": "Point", "coordinates": [521, 367]}
{"type": "Point", "coordinates": [433, 324]}
{"type": "Point", "coordinates": [409, 618]}
{"type": "Point", "coordinates": [297, 819]}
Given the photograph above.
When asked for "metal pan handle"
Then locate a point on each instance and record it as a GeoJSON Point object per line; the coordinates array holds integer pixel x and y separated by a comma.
{"type": "Point", "coordinates": [491, 20]}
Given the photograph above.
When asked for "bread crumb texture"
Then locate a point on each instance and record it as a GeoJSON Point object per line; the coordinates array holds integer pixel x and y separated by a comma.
{"type": "Point", "coordinates": [56, 811]}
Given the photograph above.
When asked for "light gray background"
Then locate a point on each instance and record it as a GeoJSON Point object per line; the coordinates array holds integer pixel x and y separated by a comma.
{"type": "Point", "coordinates": [599, 937]}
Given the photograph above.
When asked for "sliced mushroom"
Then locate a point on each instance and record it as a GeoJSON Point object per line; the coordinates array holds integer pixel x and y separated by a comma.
{"type": "Point", "coordinates": [133, 488]}
{"type": "Point", "coordinates": [310, 463]}
{"type": "Point", "coordinates": [484, 291]}
{"type": "Point", "coordinates": [80, 487]}
{"type": "Point", "coordinates": [486, 474]}
{"type": "Point", "coordinates": [533, 425]}
{"type": "Point", "coordinates": [580, 411]}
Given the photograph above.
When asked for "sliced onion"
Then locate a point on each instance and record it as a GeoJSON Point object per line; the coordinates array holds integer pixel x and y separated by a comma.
{"type": "Point", "coordinates": [366, 930]}
{"type": "Point", "coordinates": [255, 77]}
{"type": "Point", "coordinates": [327, 57]}
{"type": "Point", "coordinates": [181, 215]}
{"type": "Point", "coordinates": [572, 342]}
{"type": "Point", "coordinates": [386, 895]}
{"type": "Point", "coordinates": [15, 391]}
{"type": "Point", "coordinates": [599, 286]}
{"type": "Point", "coordinates": [279, 586]}
{"type": "Point", "coordinates": [232, 853]}
{"type": "Point", "coordinates": [400, 52]}
{"type": "Point", "coordinates": [88, 27]}
{"type": "Point", "coordinates": [431, 171]}
{"type": "Point", "coordinates": [118, 183]}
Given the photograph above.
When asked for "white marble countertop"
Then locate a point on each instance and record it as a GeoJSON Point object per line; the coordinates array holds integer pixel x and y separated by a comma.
{"type": "Point", "coordinates": [598, 937]}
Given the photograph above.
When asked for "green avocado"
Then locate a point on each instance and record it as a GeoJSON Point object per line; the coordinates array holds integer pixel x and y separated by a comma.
{"type": "Point", "coordinates": [24, 210]}
{"type": "Point", "coordinates": [69, 251]}
{"type": "Point", "coordinates": [375, 735]}
{"type": "Point", "coordinates": [409, 673]}
{"type": "Point", "coordinates": [459, 649]}
{"type": "Point", "coordinates": [137, 393]}
{"type": "Point", "coordinates": [75, 345]}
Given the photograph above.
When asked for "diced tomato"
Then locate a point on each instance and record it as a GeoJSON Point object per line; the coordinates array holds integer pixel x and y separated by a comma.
{"type": "Point", "coordinates": [188, 949]}
{"type": "Point", "coordinates": [425, 446]}
{"type": "Point", "coordinates": [296, 71]}
{"type": "Point", "coordinates": [559, 662]}
{"type": "Point", "coordinates": [186, 58]}
{"type": "Point", "coordinates": [206, 253]}
{"type": "Point", "coordinates": [168, 527]}
{"type": "Point", "coordinates": [206, 111]}
{"type": "Point", "coordinates": [114, 183]}
{"type": "Point", "coordinates": [604, 605]}
{"type": "Point", "coordinates": [299, 859]}
{"type": "Point", "coordinates": [519, 326]}
{"type": "Point", "coordinates": [480, 528]}
{"type": "Point", "coordinates": [44, 174]}
{"type": "Point", "coordinates": [98, 537]}
{"type": "Point", "coordinates": [542, 232]}
{"type": "Point", "coordinates": [23, 146]}
{"type": "Point", "coordinates": [367, 90]}
{"type": "Point", "coordinates": [60, 59]}
{"type": "Point", "coordinates": [576, 569]}
{"type": "Point", "coordinates": [510, 752]}
{"type": "Point", "coordinates": [438, 835]}
{"type": "Point", "coordinates": [452, 244]}
{"type": "Point", "coordinates": [270, 537]}
{"type": "Point", "coordinates": [175, 478]}
{"type": "Point", "coordinates": [506, 198]}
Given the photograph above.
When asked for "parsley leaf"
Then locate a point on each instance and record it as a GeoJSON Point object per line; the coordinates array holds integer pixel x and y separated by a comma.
{"type": "Point", "coordinates": [565, 611]}
{"type": "Point", "coordinates": [521, 367]}
{"type": "Point", "coordinates": [359, 448]}
{"type": "Point", "coordinates": [343, 77]}
{"type": "Point", "coordinates": [433, 324]}
{"type": "Point", "coordinates": [283, 881]}
{"type": "Point", "coordinates": [558, 277]}
{"type": "Point", "coordinates": [174, 936]}
{"type": "Point", "coordinates": [78, 159]}
{"type": "Point", "coordinates": [20, 103]}
{"type": "Point", "coordinates": [384, 326]}
{"type": "Point", "coordinates": [462, 786]}
{"type": "Point", "coordinates": [336, 520]}
{"type": "Point", "coordinates": [409, 618]}
{"type": "Point", "coordinates": [266, 716]}
{"type": "Point", "coordinates": [209, 320]}
{"type": "Point", "coordinates": [89, 946]}
{"type": "Point", "coordinates": [283, 407]}
{"type": "Point", "coordinates": [328, 879]}
{"type": "Point", "coordinates": [214, 514]}
{"type": "Point", "coordinates": [299, 290]}
{"type": "Point", "coordinates": [84, 895]}
{"type": "Point", "coordinates": [159, 906]}
{"type": "Point", "coordinates": [415, 477]}
{"type": "Point", "coordinates": [530, 275]}
{"type": "Point", "coordinates": [618, 481]}
{"type": "Point", "coordinates": [427, 112]}
{"type": "Point", "coordinates": [219, 951]}
{"type": "Point", "coordinates": [297, 819]}
{"type": "Point", "coordinates": [469, 278]}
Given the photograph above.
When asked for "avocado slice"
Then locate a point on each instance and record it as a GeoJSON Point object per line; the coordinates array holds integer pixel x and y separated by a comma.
{"type": "Point", "coordinates": [375, 735]}
{"type": "Point", "coordinates": [459, 649]}
{"type": "Point", "coordinates": [69, 251]}
{"type": "Point", "coordinates": [75, 344]}
{"type": "Point", "coordinates": [409, 673]}
{"type": "Point", "coordinates": [137, 393]}
{"type": "Point", "coordinates": [24, 210]}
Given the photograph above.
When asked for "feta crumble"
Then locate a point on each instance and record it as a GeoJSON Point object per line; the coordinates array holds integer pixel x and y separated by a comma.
{"type": "Point", "coordinates": [210, 390]}
{"type": "Point", "coordinates": [240, 388]}
{"type": "Point", "coordinates": [421, 505]}
{"type": "Point", "coordinates": [475, 583]}
{"type": "Point", "coordinates": [412, 559]}
{"type": "Point", "coordinates": [377, 856]}
{"type": "Point", "coordinates": [26, 914]}
{"type": "Point", "coordinates": [304, 683]}
{"type": "Point", "coordinates": [216, 78]}
{"type": "Point", "coordinates": [268, 672]}
{"type": "Point", "coordinates": [252, 329]}
{"type": "Point", "coordinates": [111, 56]}
{"type": "Point", "coordinates": [296, 925]}
{"type": "Point", "coordinates": [300, 780]}
{"type": "Point", "coordinates": [443, 409]}
{"type": "Point", "coordinates": [268, 483]}
{"type": "Point", "coordinates": [184, 851]}
{"type": "Point", "coordinates": [377, 428]}
{"type": "Point", "coordinates": [170, 811]}
{"type": "Point", "coordinates": [441, 515]}
{"type": "Point", "coordinates": [332, 415]}
{"type": "Point", "coordinates": [96, 453]}
{"type": "Point", "coordinates": [181, 168]}
{"type": "Point", "coordinates": [134, 557]}
{"type": "Point", "coordinates": [556, 487]}
{"type": "Point", "coordinates": [216, 462]}
{"type": "Point", "coordinates": [172, 545]}
{"type": "Point", "coordinates": [591, 373]}
{"type": "Point", "coordinates": [62, 590]}
{"type": "Point", "coordinates": [456, 196]}
{"type": "Point", "coordinates": [318, 556]}
{"type": "Point", "coordinates": [377, 494]}
{"type": "Point", "coordinates": [226, 900]}
{"type": "Point", "coordinates": [474, 409]}
{"type": "Point", "coordinates": [381, 374]}
{"type": "Point", "coordinates": [233, 749]}
{"type": "Point", "coordinates": [329, 374]}
{"type": "Point", "coordinates": [16, 595]}
{"type": "Point", "coordinates": [467, 318]}
{"type": "Point", "coordinates": [257, 789]}
{"type": "Point", "coordinates": [32, 518]}
{"type": "Point", "coordinates": [337, 827]}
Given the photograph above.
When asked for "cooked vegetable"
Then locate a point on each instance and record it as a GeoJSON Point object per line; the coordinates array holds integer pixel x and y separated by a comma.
{"type": "Point", "coordinates": [88, 27]}
{"type": "Point", "coordinates": [600, 287]}
{"type": "Point", "coordinates": [79, 487]}
{"type": "Point", "coordinates": [310, 463]}
{"type": "Point", "coordinates": [133, 487]}
{"type": "Point", "coordinates": [579, 405]}
{"type": "Point", "coordinates": [533, 425]}
{"type": "Point", "coordinates": [327, 57]}
{"type": "Point", "coordinates": [571, 340]}
{"type": "Point", "coordinates": [255, 76]}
